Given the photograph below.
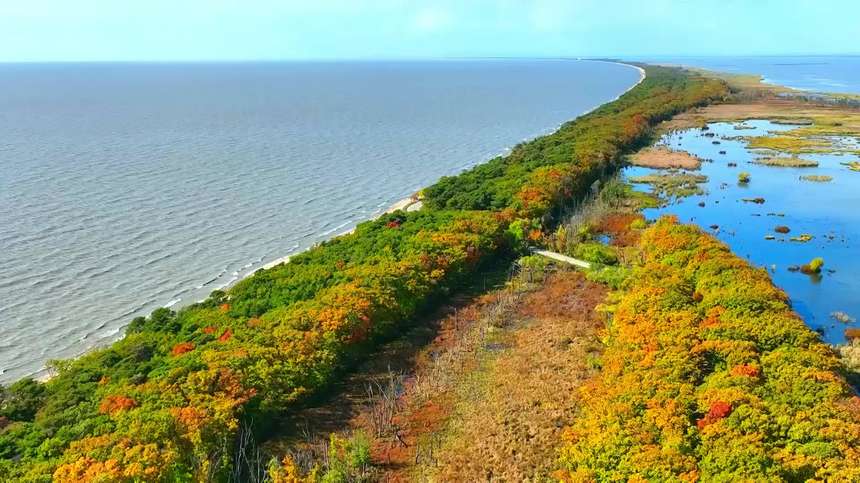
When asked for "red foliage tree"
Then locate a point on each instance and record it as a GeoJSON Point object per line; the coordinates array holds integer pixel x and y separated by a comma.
{"type": "Point", "coordinates": [114, 404]}
{"type": "Point", "coordinates": [182, 348]}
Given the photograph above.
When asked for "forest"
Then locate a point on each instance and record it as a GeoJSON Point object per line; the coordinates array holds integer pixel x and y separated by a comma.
{"type": "Point", "coordinates": [173, 398]}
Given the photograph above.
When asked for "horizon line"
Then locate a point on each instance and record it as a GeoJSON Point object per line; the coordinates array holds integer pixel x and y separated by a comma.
{"type": "Point", "coordinates": [632, 58]}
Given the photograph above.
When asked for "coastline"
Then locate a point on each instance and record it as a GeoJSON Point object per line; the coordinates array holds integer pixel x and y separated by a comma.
{"type": "Point", "coordinates": [409, 203]}
{"type": "Point", "coordinates": [414, 203]}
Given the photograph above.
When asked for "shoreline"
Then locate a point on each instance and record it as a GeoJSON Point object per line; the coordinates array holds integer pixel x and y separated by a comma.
{"type": "Point", "coordinates": [414, 203]}
{"type": "Point", "coordinates": [410, 203]}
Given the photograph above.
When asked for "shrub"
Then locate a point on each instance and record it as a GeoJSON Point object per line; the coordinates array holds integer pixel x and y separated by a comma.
{"type": "Point", "coordinates": [534, 262]}
{"type": "Point", "coordinates": [613, 277]}
{"type": "Point", "coordinates": [813, 266]}
{"type": "Point", "coordinates": [348, 459]}
{"type": "Point", "coordinates": [639, 224]}
{"type": "Point", "coordinates": [595, 252]}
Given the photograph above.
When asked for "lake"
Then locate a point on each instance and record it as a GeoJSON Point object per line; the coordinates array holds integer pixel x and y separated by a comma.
{"type": "Point", "coordinates": [126, 187]}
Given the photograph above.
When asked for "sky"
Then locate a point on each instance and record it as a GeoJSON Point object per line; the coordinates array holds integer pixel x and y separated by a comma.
{"type": "Point", "coordinates": [213, 30]}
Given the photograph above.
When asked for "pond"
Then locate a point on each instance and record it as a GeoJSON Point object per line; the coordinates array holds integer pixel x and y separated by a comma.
{"type": "Point", "coordinates": [829, 211]}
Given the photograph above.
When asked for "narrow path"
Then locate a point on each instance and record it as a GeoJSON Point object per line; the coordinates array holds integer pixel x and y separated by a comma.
{"type": "Point", "coordinates": [498, 412]}
{"type": "Point", "coordinates": [480, 393]}
{"type": "Point", "coordinates": [563, 258]}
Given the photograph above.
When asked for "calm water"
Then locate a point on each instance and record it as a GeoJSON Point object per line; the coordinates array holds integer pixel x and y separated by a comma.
{"type": "Point", "coordinates": [812, 73]}
{"type": "Point", "coordinates": [127, 187]}
{"type": "Point", "coordinates": [828, 211]}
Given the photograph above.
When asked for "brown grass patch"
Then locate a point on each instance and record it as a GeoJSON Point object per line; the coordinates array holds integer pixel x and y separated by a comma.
{"type": "Point", "coordinates": [662, 157]}
{"type": "Point", "coordinates": [776, 109]}
{"type": "Point", "coordinates": [510, 417]}
{"type": "Point", "coordinates": [430, 393]}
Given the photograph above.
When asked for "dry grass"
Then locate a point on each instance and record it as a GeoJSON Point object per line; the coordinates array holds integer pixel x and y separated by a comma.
{"type": "Point", "coordinates": [787, 162]}
{"type": "Point", "coordinates": [817, 178]}
{"type": "Point", "coordinates": [790, 144]}
{"type": "Point", "coordinates": [662, 157]}
{"type": "Point", "coordinates": [850, 355]}
{"type": "Point", "coordinates": [510, 412]}
{"type": "Point", "coordinates": [485, 399]}
{"type": "Point", "coordinates": [673, 185]}
{"type": "Point", "coordinates": [838, 120]}
{"type": "Point", "coordinates": [429, 393]}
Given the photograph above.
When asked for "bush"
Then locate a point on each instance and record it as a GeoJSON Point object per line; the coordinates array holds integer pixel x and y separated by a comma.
{"type": "Point", "coordinates": [613, 277]}
{"type": "Point", "coordinates": [595, 252]}
{"type": "Point", "coordinates": [348, 459]}
{"type": "Point", "coordinates": [638, 224]}
{"type": "Point", "coordinates": [21, 400]}
{"type": "Point", "coordinates": [814, 266]}
{"type": "Point", "coordinates": [534, 262]}
{"type": "Point", "coordinates": [614, 192]}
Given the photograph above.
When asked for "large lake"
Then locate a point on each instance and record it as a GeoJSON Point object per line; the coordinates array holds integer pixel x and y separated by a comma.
{"type": "Point", "coordinates": [125, 187]}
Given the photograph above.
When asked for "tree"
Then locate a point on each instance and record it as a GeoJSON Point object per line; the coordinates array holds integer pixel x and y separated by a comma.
{"type": "Point", "coordinates": [21, 400]}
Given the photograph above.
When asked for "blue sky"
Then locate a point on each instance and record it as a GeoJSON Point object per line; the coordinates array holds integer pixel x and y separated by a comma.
{"type": "Point", "coordinates": [172, 30]}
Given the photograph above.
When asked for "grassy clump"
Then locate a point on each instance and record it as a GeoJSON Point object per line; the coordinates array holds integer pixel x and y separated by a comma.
{"type": "Point", "coordinates": [817, 178]}
{"type": "Point", "coordinates": [852, 165]}
{"type": "Point", "coordinates": [638, 224]}
{"type": "Point", "coordinates": [789, 144]}
{"type": "Point", "coordinates": [533, 267]}
{"type": "Point", "coordinates": [789, 162]}
{"type": "Point", "coordinates": [744, 177]}
{"type": "Point", "coordinates": [595, 252]}
{"type": "Point", "coordinates": [673, 185]}
{"type": "Point", "coordinates": [813, 266]}
{"type": "Point", "coordinates": [613, 277]}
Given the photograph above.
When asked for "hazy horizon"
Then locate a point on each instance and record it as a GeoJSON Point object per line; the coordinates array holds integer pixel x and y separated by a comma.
{"type": "Point", "coordinates": [637, 58]}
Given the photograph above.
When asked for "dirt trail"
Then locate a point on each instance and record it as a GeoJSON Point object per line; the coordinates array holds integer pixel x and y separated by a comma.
{"type": "Point", "coordinates": [509, 414]}
{"type": "Point", "coordinates": [480, 392]}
